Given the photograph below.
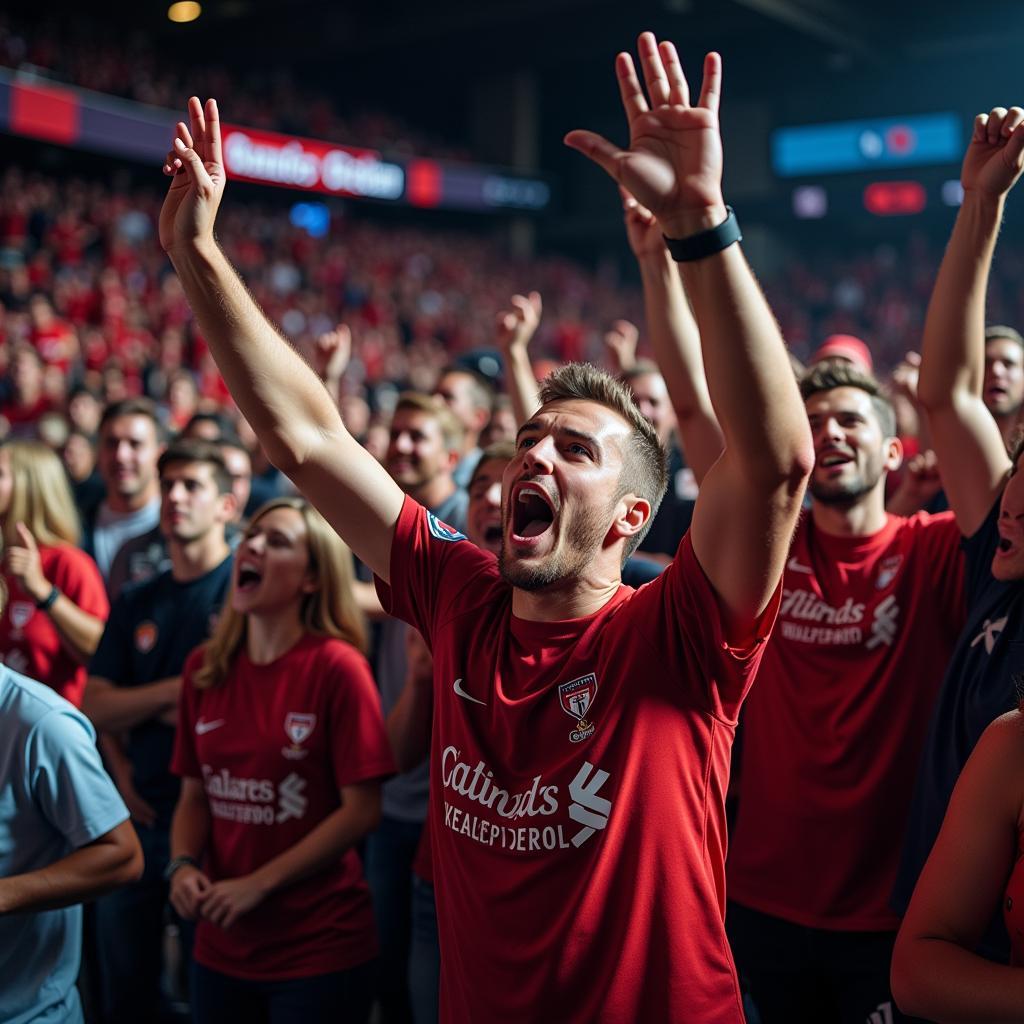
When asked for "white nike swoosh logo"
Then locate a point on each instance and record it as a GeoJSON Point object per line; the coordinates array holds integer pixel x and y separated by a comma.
{"type": "Point", "coordinates": [204, 727]}
{"type": "Point", "coordinates": [467, 696]}
{"type": "Point", "coordinates": [794, 566]}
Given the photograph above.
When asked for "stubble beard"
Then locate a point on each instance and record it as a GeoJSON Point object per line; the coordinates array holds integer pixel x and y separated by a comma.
{"type": "Point", "coordinates": [566, 563]}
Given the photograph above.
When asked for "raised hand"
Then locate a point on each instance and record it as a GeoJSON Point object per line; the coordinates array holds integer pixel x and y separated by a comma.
{"type": "Point", "coordinates": [25, 565]}
{"type": "Point", "coordinates": [332, 352]}
{"type": "Point", "coordinates": [642, 228]}
{"type": "Point", "coordinates": [620, 341]}
{"type": "Point", "coordinates": [673, 165]}
{"type": "Point", "coordinates": [195, 164]}
{"type": "Point", "coordinates": [517, 325]}
{"type": "Point", "coordinates": [904, 378]}
{"type": "Point", "coordinates": [995, 156]}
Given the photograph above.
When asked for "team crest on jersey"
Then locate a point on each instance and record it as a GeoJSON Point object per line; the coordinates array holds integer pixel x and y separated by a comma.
{"type": "Point", "coordinates": [576, 698]}
{"type": "Point", "coordinates": [298, 726]}
{"type": "Point", "coordinates": [887, 570]}
{"type": "Point", "coordinates": [21, 612]}
{"type": "Point", "coordinates": [145, 636]}
{"type": "Point", "coordinates": [442, 531]}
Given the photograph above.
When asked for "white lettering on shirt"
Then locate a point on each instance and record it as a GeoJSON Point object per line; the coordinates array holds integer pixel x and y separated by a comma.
{"type": "Point", "coordinates": [475, 782]}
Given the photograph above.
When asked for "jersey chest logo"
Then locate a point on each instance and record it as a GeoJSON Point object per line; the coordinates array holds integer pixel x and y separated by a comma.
{"type": "Point", "coordinates": [576, 698]}
{"type": "Point", "coordinates": [145, 637]}
{"type": "Point", "coordinates": [298, 726]}
{"type": "Point", "coordinates": [887, 570]}
{"type": "Point", "coordinates": [21, 614]}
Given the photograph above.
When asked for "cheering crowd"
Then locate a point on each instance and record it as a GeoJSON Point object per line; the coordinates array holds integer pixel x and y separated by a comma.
{"type": "Point", "coordinates": [505, 799]}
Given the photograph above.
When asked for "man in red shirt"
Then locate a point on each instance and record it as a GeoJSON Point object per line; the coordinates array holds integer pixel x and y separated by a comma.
{"type": "Point", "coordinates": [582, 730]}
{"type": "Point", "coordinates": [871, 607]}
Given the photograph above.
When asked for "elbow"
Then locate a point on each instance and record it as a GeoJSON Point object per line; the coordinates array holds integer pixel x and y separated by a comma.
{"type": "Point", "coordinates": [907, 982]}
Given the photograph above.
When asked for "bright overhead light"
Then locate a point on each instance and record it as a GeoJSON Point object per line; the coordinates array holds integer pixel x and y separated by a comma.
{"type": "Point", "coordinates": [187, 10]}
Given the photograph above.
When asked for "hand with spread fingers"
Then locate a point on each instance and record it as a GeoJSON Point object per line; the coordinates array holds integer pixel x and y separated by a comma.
{"type": "Point", "coordinates": [995, 156]}
{"type": "Point", "coordinates": [195, 164]}
{"type": "Point", "coordinates": [673, 165]}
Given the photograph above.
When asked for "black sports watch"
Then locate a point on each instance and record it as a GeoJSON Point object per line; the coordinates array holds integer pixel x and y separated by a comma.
{"type": "Point", "coordinates": [706, 243]}
{"type": "Point", "coordinates": [179, 862]}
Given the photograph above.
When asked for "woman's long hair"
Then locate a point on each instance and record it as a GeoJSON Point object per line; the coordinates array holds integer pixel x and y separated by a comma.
{"type": "Point", "coordinates": [330, 610]}
{"type": "Point", "coordinates": [40, 496]}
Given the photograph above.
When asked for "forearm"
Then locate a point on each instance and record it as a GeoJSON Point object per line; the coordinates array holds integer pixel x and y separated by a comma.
{"type": "Point", "coordinates": [83, 875]}
{"type": "Point", "coordinates": [943, 982]}
{"type": "Point", "coordinates": [521, 383]}
{"type": "Point", "coordinates": [79, 632]}
{"type": "Point", "coordinates": [113, 708]}
{"type": "Point", "coordinates": [676, 342]}
{"type": "Point", "coordinates": [190, 827]}
{"type": "Point", "coordinates": [749, 377]}
{"type": "Point", "coordinates": [276, 390]}
{"type": "Point", "coordinates": [953, 351]}
{"type": "Point", "coordinates": [320, 848]}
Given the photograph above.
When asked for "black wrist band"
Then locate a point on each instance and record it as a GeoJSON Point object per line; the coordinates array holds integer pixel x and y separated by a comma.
{"type": "Point", "coordinates": [47, 602]}
{"type": "Point", "coordinates": [705, 243]}
{"type": "Point", "coordinates": [179, 862]}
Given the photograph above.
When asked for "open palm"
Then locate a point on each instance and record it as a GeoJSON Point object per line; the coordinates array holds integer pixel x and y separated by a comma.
{"type": "Point", "coordinates": [196, 166]}
{"type": "Point", "coordinates": [674, 160]}
{"type": "Point", "coordinates": [995, 156]}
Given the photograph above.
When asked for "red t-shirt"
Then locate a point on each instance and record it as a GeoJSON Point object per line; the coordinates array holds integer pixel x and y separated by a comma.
{"type": "Point", "coordinates": [29, 642]}
{"type": "Point", "coordinates": [834, 731]}
{"type": "Point", "coordinates": [577, 799]}
{"type": "Point", "coordinates": [273, 745]}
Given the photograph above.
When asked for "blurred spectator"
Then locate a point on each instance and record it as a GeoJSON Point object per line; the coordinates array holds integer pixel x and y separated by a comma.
{"type": "Point", "coordinates": [129, 446]}
{"type": "Point", "coordinates": [57, 603]}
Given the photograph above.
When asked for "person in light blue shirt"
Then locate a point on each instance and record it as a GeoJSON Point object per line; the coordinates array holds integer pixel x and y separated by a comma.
{"type": "Point", "coordinates": [64, 838]}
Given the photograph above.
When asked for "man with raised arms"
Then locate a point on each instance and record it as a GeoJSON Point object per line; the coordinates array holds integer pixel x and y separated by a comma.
{"type": "Point", "coordinates": [985, 488]}
{"type": "Point", "coordinates": [581, 730]}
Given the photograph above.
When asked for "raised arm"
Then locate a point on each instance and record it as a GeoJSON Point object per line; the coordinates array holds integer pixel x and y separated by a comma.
{"type": "Point", "coordinates": [972, 457]}
{"type": "Point", "coordinates": [516, 326]}
{"type": "Point", "coordinates": [675, 340]}
{"type": "Point", "coordinates": [291, 411]}
{"type": "Point", "coordinates": [750, 499]}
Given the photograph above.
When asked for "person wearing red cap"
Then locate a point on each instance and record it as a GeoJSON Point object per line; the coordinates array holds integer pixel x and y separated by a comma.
{"type": "Point", "coordinates": [847, 348]}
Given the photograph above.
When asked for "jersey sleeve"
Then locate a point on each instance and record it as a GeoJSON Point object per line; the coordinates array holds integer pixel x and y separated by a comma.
{"type": "Point", "coordinates": [979, 550]}
{"type": "Point", "coordinates": [439, 571]}
{"type": "Point", "coordinates": [78, 577]}
{"type": "Point", "coordinates": [67, 780]}
{"type": "Point", "coordinates": [184, 761]}
{"type": "Point", "coordinates": [112, 658]}
{"type": "Point", "coordinates": [680, 616]}
{"type": "Point", "coordinates": [359, 741]}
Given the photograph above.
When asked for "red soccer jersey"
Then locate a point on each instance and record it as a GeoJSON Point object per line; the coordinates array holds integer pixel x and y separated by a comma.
{"type": "Point", "coordinates": [29, 642]}
{"type": "Point", "coordinates": [833, 733]}
{"type": "Point", "coordinates": [577, 800]}
{"type": "Point", "coordinates": [273, 745]}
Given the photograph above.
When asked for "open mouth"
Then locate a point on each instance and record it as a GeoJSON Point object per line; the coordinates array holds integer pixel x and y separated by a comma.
{"type": "Point", "coordinates": [833, 458]}
{"type": "Point", "coordinates": [248, 578]}
{"type": "Point", "coordinates": [1004, 545]}
{"type": "Point", "coordinates": [532, 514]}
{"type": "Point", "coordinates": [492, 534]}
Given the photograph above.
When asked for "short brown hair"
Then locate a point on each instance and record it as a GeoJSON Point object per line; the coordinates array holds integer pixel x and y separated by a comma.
{"type": "Point", "coordinates": [133, 407]}
{"type": "Point", "coordinates": [644, 459]}
{"type": "Point", "coordinates": [834, 373]}
{"type": "Point", "coordinates": [193, 449]}
{"type": "Point", "coordinates": [451, 429]}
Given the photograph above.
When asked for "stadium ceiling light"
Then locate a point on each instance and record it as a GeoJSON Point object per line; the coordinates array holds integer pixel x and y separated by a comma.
{"type": "Point", "coordinates": [184, 11]}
